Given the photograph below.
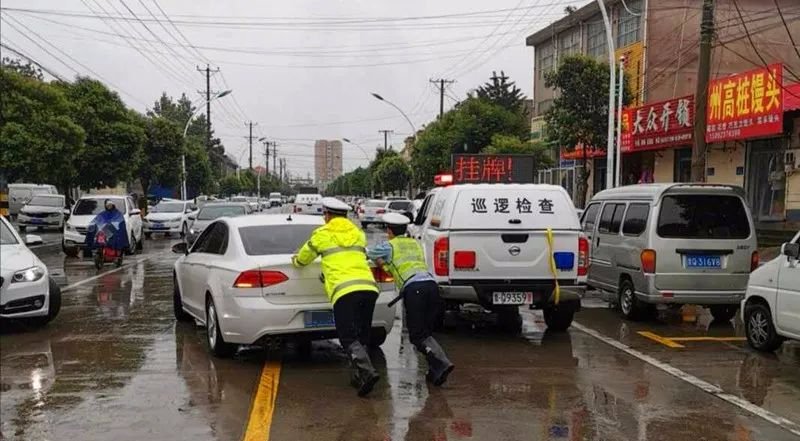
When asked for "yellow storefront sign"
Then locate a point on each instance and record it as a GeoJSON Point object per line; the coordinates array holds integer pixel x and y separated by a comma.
{"type": "Point", "coordinates": [633, 69]}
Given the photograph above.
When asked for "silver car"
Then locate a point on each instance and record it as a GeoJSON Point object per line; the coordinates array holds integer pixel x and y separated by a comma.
{"type": "Point", "coordinates": [43, 211]}
{"type": "Point", "coordinates": [212, 211]}
{"type": "Point", "coordinates": [671, 243]}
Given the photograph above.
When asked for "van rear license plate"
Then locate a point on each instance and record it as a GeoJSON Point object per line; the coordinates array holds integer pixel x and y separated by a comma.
{"type": "Point", "coordinates": [512, 298]}
{"type": "Point", "coordinates": [318, 319]}
{"type": "Point", "coordinates": [700, 261]}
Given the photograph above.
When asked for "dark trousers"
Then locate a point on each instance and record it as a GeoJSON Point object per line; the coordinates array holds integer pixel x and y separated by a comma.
{"type": "Point", "coordinates": [353, 316]}
{"type": "Point", "coordinates": [422, 305]}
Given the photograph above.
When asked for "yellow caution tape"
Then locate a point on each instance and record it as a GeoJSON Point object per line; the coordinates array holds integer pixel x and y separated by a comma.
{"type": "Point", "coordinates": [557, 291]}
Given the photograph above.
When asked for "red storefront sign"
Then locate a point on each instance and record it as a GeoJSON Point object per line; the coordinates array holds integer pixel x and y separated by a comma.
{"type": "Point", "coordinates": [658, 125]}
{"type": "Point", "coordinates": [577, 153]}
{"type": "Point", "coordinates": [494, 169]}
{"type": "Point", "coordinates": [746, 105]}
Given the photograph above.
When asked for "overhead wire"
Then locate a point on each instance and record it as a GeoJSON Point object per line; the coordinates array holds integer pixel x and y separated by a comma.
{"type": "Point", "coordinates": [752, 44]}
{"type": "Point", "coordinates": [783, 20]}
{"type": "Point", "coordinates": [41, 66]}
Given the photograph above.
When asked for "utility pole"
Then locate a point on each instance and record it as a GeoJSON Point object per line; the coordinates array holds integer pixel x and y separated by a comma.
{"type": "Point", "coordinates": [701, 101]}
{"type": "Point", "coordinates": [385, 138]}
{"type": "Point", "coordinates": [266, 156]}
{"type": "Point", "coordinates": [441, 83]}
{"type": "Point", "coordinates": [250, 141]}
{"type": "Point", "coordinates": [274, 156]}
{"type": "Point", "coordinates": [208, 72]}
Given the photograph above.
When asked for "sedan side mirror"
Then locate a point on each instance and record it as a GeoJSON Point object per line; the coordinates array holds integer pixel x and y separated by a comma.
{"type": "Point", "coordinates": [791, 250]}
{"type": "Point", "coordinates": [32, 239]}
{"type": "Point", "coordinates": [180, 248]}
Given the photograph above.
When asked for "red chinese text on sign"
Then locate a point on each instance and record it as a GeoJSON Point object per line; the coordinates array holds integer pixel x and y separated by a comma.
{"type": "Point", "coordinates": [658, 125]}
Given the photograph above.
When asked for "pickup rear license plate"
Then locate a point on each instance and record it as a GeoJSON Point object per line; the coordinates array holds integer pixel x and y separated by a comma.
{"type": "Point", "coordinates": [319, 319]}
{"type": "Point", "coordinates": [512, 298]}
{"type": "Point", "coordinates": [699, 261]}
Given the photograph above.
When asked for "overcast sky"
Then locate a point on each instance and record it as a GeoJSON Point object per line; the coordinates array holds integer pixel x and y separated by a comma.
{"type": "Point", "coordinates": [300, 69]}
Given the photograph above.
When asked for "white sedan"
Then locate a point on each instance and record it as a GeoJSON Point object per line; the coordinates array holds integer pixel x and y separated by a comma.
{"type": "Point", "coordinates": [237, 279]}
{"type": "Point", "coordinates": [26, 289]}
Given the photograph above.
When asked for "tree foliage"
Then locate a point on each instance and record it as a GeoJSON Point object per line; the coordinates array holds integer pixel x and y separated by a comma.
{"type": "Point", "coordinates": [393, 174]}
{"type": "Point", "coordinates": [27, 69]}
{"type": "Point", "coordinates": [514, 145]}
{"type": "Point", "coordinates": [162, 152]}
{"type": "Point", "coordinates": [504, 93]}
{"type": "Point", "coordinates": [357, 182]}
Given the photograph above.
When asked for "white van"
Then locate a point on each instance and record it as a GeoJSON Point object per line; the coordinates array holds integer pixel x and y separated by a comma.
{"type": "Point", "coordinates": [488, 244]}
{"type": "Point", "coordinates": [21, 194]}
{"type": "Point", "coordinates": [771, 308]}
{"type": "Point", "coordinates": [671, 243]}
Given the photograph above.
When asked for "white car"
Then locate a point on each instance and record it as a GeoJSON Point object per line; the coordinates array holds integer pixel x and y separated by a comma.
{"type": "Point", "coordinates": [771, 307]}
{"type": "Point", "coordinates": [238, 279]}
{"type": "Point", "coordinates": [169, 217]}
{"type": "Point", "coordinates": [85, 210]}
{"type": "Point", "coordinates": [308, 204]}
{"type": "Point", "coordinates": [26, 289]}
{"type": "Point", "coordinates": [372, 211]}
{"type": "Point", "coordinates": [43, 210]}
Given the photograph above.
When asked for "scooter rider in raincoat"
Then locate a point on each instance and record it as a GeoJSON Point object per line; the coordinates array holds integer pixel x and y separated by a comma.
{"type": "Point", "coordinates": [349, 283]}
{"type": "Point", "coordinates": [404, 259]}
{"type": "Point", "coordinates": [112, 223]}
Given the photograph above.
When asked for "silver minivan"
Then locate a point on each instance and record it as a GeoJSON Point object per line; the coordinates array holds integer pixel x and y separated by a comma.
{"type": "Point", "coordinates": [671, 244]}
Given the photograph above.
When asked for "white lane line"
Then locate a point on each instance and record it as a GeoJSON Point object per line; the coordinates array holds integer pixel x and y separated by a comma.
{"type": "Point", "coordinates": [125, 265]}
{"type": "Point", "coordinates": [705, 386]}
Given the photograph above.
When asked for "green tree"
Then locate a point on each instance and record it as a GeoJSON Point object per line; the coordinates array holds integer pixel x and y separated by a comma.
{"type": "Point", "coordinates": [27, 69]}
{"type": "Point", "coordinates": [504, 93]}
{"type": "Point", "coordinates": [579, 114]}
{"type": "Point", "coordinates": [393, 174]}
{"type": "Point", "coordinates": [162, 152]}
{"type": "Point", "coordinates": [114, 140]}
{"type": "Point", "coordinates": [39, 142]}
{"type": "Point", "coordinates": [200, 178]}
{"type": "Point", "coordinates": [230, 185]}
{"type": "Point", "coordinates": [467, 128]}
{"type": "Point", "coordinates": [514, 145]}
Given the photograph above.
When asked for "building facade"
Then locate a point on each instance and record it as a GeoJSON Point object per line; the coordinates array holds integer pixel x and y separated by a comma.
{"type": "Point", "coordinates": [327, 161]}
{"type": "Point", "coordinates": [660, 42]}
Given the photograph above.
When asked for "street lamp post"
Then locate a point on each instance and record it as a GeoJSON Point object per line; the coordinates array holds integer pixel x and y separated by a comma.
{"type": "Point", "coordinates": [414, 129]}
{"type": "Point", "coordinates": [185, 130]}
{"type": "Point", "coordinates": [366, 155]}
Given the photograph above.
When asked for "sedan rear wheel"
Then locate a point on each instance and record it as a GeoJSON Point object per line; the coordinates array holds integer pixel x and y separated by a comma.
{"type": "Point", "coordinates": [216, 343]}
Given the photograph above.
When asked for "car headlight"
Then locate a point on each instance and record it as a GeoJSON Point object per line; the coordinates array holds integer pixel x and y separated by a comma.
{"type": "Point", "coordinates": [31, 274]}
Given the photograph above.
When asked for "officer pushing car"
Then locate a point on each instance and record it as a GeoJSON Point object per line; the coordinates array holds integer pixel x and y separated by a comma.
{"type": "Point", "coordinates": [349, 284]}
{"type": "Point", "coordinates": [404, 259]}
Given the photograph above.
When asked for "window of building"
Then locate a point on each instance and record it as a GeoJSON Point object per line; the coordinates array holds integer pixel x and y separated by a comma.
{"type": "Point", "coordinates": [596, 44]}
{"type": "Point", "coordinates": [628, 25]}
{"type": "Point", "coordinates": [569, 43]}
{"type": "Point", "coordinates": [543, 106]}
{"type": "Point", "coordinates": [546, 58]}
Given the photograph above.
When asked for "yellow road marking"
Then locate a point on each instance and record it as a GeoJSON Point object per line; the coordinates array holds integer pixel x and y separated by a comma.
{"type": "Point", "coordinates": [706, 338]}
{"type": "Point", "coordinates": [264, 403]}
{"type": "Point", "coordinates": [663, 340]}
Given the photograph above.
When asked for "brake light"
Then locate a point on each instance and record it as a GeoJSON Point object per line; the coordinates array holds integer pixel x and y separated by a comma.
{"type": "Point", "coordinates": [259, 279]}
{"type": "Point", "coordinates": [583, 256]}
{"type": "Point", "coordinates": [464, 259]}
{"type": "Point", "coordinates": [381, 275]}
{"type": "Point", "coordinates": [441, 258]}
{"type": "Point", "coordinates": [648, 261]}
{"type": "Point", "coordinates": [380, 211]}
{"type": "Point", "coordinates": [754, 261]}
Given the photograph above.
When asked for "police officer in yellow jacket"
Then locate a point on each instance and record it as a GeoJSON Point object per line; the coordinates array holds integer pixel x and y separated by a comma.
{"type": "Point", "coordinates": [403, 257]}
{"type": "Point", "coordinates": [349, 283]}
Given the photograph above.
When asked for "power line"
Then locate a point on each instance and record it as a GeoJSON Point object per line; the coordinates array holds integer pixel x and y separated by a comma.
{"type": "Point", "coordinates": [44, 68]}
{"type": "Point", "coordinates": [178, 30]}
{"type": "Point", "coordinates": [750, 39]}
{"type": "Point", "coordinates": [791, 38]}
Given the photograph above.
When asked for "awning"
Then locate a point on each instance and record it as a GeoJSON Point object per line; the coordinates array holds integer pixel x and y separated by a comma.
{"type": "Point", "coordinates": [791, 97]}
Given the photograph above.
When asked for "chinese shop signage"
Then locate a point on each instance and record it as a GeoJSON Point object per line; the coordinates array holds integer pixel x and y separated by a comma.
{"type": "Point", "coordinates": [658, 125]}
{"type": "Point", "coordinates": [500, 169]}
{"type": "Point", "coordinates": [745, 105]}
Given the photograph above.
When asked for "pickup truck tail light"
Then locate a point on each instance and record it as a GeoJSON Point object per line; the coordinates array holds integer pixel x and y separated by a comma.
{"type": "Point", "coordinates": [441, 256]}
{"type": "Point", "coordinates": [464, 259]}
{"type": "Point", "coordinates": [583, 256]}
{"type": "Point", "coordinates": [259, 279]}
{"type": "Point", "coordinates": [648, 261]}
{"type": "Point", "coordinates": [381, 275]}
{"type": "Point", "coordinates": [754, 261]}
{"type": "Point", "coordinates": [297, 209]}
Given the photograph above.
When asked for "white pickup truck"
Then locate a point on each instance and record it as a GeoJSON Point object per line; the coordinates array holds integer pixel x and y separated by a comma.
{"type": "Point", "coordinates": [488, 244]}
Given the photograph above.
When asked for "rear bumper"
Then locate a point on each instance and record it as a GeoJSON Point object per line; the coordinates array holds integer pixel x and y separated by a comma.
{"type": "Point", "coordinates": [693, 297]}
{"type": "Point", "coordinates": [246, 320]}
{"type": "Point", "coordinates": [481, 293]}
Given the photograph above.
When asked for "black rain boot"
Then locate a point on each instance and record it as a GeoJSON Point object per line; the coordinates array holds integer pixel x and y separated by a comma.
{"type": "Point", "coordinates": [364, 374]}
{"type": "Point", "coordinates": [439, 367]}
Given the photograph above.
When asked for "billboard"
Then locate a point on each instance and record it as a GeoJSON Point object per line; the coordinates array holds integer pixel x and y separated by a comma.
{"type": "Point", "coordinates": [658, 125]}
{"type": "Point", "coordinates": [493, 169]}
{"type": "Point", "coordinates": [746, 105]}
{"type": "Point", "coordinates": [633, 69]}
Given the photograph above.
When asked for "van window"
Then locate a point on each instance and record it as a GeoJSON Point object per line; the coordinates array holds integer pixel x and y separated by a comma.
{"type": "Point", "coordinates": [590, 217]}
{"type": "Point", "coordinates": [703, 217]}
{"type": "Point", "coordinates": [423, 210]}
{"type": "Point", "coordinates": [636, 219]}
{"type": "Point", "coordinates": [611, 218]}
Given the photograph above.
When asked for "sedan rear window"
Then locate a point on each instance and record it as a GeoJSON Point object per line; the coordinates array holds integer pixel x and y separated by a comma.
{"type": "Point", "coordinates": [703, 217]}
{"type": "Point", "coordinates": [214, 212]}
{"type": "Point", "coordinates": [400, 205]}
{"type": "Point", "coordinates": [262, 240]}
{"type": "Point", "coordinates": [377, 203]}
{"type": "Point", "coordinates": [85, 207]}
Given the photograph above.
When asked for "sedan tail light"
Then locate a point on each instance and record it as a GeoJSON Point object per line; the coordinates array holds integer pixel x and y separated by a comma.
{"type": "Point", "coordinates": [441, 256]}
{"type": "Point", "coordinates": [380, 211]}
{"type": "Point", "coordinates": [381, 275]}
{"type": "Point", "coordinates": [259, 279]}
{"type": "Point", "coordinates": [648, 261]}
{"type": "Point", "coordinates": [583, 256]}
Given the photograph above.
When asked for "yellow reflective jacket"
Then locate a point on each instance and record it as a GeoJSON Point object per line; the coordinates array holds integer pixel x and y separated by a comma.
{"type": "Point", "coordinates": [408, 259]}
{"type": "Point", "coordinates": [342, 246]}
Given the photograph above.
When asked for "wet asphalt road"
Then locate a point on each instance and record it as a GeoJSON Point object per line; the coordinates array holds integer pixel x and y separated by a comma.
{"type": "Point", "coordinates": [114, 365]}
